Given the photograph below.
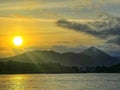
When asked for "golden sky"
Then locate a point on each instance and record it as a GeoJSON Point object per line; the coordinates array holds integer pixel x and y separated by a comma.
{"type": "Point", "coordinates": [35, 21]}
{"type": "Point", "coordinates": [40, 34]}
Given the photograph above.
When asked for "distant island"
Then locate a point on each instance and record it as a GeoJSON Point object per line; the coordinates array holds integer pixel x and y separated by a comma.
{"type": "Point", "coordinates": [91, 60]}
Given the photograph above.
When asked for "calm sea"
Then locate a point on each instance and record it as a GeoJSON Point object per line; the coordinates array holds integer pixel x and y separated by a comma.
{"type": "Point", "coordinates": [60, 82]}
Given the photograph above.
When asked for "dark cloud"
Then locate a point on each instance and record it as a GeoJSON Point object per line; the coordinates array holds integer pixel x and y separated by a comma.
{"type": "Point", "coordinates": [76, 26]}
{"type": "Point", "coordinates": [106, 26]}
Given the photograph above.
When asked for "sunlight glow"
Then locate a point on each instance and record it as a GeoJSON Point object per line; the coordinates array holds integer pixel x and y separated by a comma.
{"type": "Point", "coordinates": [18, 41]}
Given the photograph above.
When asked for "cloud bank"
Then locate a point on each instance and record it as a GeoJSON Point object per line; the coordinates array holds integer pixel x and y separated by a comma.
{"type": "Point", "coordinates": [106, 27]}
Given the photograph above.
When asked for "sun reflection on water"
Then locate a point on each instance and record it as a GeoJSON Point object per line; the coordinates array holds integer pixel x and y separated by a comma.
{"type": "Point", "coordinates": [17, 82]}
{"type": "Point", "coordinates": [18, 77]}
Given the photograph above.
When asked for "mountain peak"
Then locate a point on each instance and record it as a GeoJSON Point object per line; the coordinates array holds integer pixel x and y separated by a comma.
{"type": "Point", "coordinates": [92, 48]}
{"type": "Point", "coordinates": [93, 51]}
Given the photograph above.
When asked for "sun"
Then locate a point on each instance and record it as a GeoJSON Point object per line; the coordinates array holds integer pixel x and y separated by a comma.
{"type": "Point", "coordinates": [17, 40]}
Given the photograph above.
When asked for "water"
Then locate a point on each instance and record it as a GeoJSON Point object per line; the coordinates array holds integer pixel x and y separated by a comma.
{"type": "Point", "coordinates": [60, 82]}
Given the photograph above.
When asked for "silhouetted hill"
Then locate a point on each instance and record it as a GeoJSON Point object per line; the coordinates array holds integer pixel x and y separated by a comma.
{"type": "Point", "coordinates": [89, 57]}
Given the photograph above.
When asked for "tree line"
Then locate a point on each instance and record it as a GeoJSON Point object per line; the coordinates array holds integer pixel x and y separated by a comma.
{"type": "Point", "coordinates": [12, 67]}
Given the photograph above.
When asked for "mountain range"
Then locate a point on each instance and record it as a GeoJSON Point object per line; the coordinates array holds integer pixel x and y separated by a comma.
{"type": "Point", "coordinates": [89, 57]}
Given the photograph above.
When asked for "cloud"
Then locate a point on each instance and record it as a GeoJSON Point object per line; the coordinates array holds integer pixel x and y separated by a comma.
{"type": "Point", "coordinates": [80, 27]}
{"type": "Point", "coordinates": [115, 40]}
{"type": "Point", "coordinates": [32, 5]}
{"type": "Point", "coordinates": [110, 48]}
{"type": "Point", "coordinates": [18, 17]}
{"type": "Point", "coordinates": [105, 27]}
{"type": "Point", "coordinates": [63, 49]}
{"type": "Point", "coordinates": [23, 5]}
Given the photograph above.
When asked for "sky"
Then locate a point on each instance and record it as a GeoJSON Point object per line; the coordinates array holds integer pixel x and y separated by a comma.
{"type": "Point", "coordinates": [60, 25]}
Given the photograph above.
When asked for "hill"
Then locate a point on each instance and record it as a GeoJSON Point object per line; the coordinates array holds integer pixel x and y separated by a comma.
{"type": "Point", "coordinates": [89, 57]}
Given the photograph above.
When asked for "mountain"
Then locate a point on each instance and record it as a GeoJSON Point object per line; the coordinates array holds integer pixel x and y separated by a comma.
{"type": "Point", "coordinates": [89, 57]}
{"type": "Point", "coordinates": [99, 57]}
{"type": "Point", "coordinates": [93, 51]}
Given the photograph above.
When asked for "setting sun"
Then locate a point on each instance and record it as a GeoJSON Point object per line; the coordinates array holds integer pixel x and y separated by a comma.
{"type": "Point", "coordinates": [18, 41]}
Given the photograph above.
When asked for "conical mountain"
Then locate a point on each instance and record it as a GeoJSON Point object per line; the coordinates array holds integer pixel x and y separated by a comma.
{"type": "Point", "coordinates": [99, 57]}
{"type": "Point", "coordinates": [95, 52]}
